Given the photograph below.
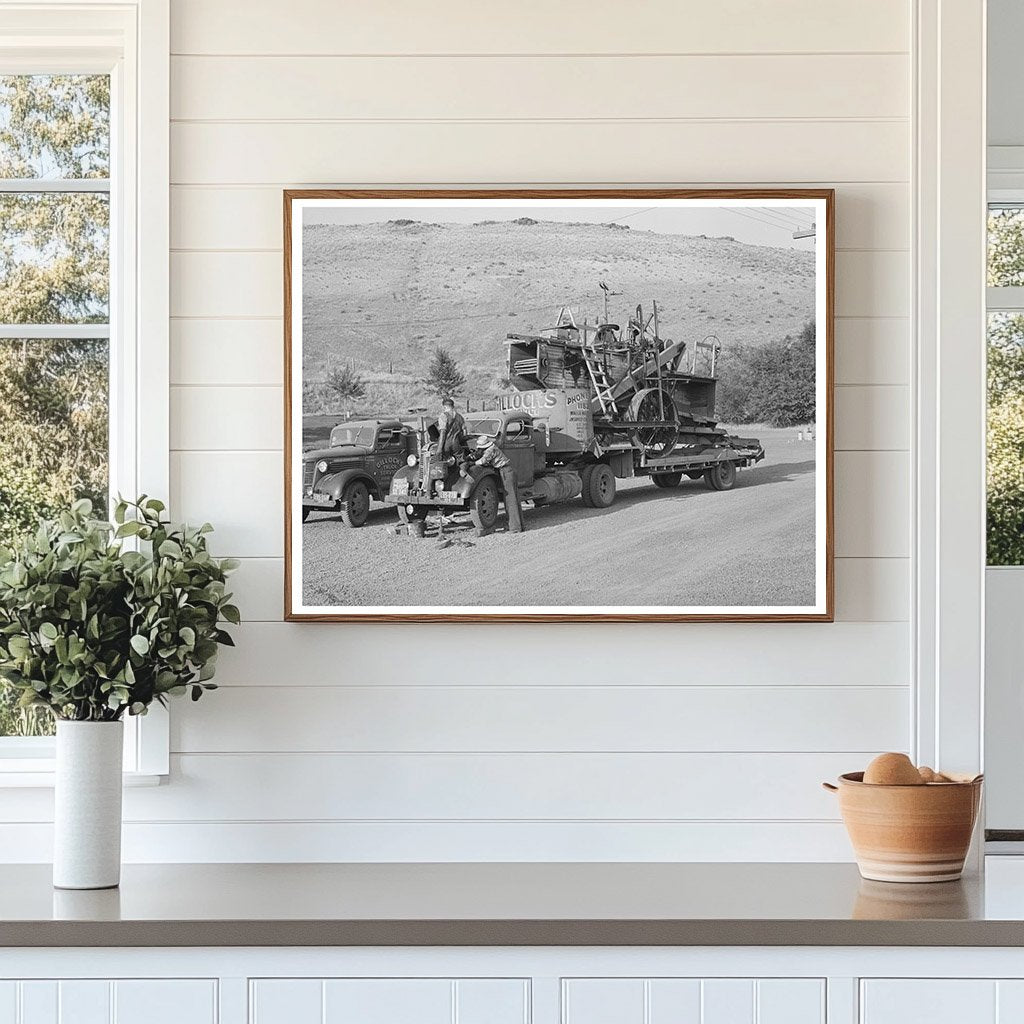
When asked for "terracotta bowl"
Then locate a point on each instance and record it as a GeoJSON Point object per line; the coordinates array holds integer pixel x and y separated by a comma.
{"type": "Point", "coordinates": [909, 833]}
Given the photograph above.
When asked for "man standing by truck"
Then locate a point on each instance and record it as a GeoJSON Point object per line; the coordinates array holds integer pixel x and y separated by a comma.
{"type": "Point", "coordinates": [451, 441]}
{"type": "Point", "coordinates": [489, 454]}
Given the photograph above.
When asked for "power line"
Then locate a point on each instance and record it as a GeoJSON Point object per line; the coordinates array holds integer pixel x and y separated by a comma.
{"type": "Point", "coordinates": [756, 219]}
{"type": "Point", "coordinates": [788, 220]}
{"type": "Point", "coordinates": [626, 216]}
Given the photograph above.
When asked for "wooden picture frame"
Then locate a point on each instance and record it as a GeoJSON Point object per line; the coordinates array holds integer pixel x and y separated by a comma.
{"type": "Point", "coordinates": [763, 210]}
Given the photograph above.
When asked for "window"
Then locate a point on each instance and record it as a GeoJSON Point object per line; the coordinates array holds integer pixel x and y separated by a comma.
{"type": "Point", "coordinates": [1005, 476]}
{"type": "Point", "coordinates": [84, 126]}
{"type": "Point", "coordinates": [54, 308]}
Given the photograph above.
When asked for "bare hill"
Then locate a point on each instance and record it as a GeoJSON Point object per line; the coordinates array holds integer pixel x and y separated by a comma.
{"type": "Point", "coordinates": [381, 297]}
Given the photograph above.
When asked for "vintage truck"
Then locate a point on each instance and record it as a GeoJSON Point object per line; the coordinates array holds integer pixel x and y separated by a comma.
{"type": "Point", "coordinates": [549, 436]}
{"type": "Point", "coordinates": [356, 467]}
{"type": "Point", "coordinates": [590, 402]}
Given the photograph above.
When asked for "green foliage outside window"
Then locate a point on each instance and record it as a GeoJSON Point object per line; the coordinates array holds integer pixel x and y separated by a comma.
{"type": "Point", "coordinates": [54, 256]}
{"type": "Point", "coordinates": [1005, 470]}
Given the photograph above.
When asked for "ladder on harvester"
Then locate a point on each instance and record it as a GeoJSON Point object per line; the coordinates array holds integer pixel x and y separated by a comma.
{"type": "Point", "coordinates": [598, 376]}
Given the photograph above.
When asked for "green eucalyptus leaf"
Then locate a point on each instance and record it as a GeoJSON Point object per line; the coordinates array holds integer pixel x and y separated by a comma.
{"type": "Point", "coordinates": [140, 644]}
{"type": "Point", "coordinates": [170, 549]}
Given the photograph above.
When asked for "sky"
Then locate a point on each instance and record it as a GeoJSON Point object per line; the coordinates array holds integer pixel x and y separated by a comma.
{"type": "Point", "coordinates": [755, 225]}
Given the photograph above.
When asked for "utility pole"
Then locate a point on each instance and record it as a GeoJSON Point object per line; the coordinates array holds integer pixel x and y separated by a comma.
{"type": "Point", "coordinates": [607, 292]}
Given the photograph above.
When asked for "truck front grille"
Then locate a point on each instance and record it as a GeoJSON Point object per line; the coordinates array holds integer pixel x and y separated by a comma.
{"type": "Point", "coordinates": [308, 471]}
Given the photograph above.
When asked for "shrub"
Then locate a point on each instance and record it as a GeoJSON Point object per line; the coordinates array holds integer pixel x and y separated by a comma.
{"type": "Point", "coordinates": [90, 630]}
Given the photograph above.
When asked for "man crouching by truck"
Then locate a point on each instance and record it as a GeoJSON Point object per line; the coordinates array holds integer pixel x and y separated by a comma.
{"type": "Point", "coordinates": [489, 454]}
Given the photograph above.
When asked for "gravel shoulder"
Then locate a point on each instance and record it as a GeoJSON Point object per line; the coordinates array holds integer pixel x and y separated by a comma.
{"type": "Point", "coordinates": [689, 546]}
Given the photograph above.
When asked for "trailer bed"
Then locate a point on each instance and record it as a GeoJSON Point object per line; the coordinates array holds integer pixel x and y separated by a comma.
{"type": "Point", "coordinates": [744, 451]}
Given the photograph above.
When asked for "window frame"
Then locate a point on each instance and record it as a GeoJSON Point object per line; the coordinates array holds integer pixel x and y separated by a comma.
{"type": "Point", "coordinates": [130, 41]}
{"type": "Point", "coordinates": [1004, 298]}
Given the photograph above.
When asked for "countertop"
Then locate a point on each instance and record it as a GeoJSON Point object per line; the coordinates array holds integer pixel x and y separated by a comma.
{"type": "Point", "coordinates": [650, 904]}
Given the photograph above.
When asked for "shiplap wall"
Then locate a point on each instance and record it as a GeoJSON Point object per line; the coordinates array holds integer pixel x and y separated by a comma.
{"type": "Point", "coordinates": [683, 741]}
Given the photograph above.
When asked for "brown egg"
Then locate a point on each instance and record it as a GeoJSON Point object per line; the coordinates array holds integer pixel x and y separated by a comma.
{"type": "Point", "coordinates": [893, 770]}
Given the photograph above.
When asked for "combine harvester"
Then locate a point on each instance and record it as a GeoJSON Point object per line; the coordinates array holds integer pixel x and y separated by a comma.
{"type": "Point", "coordinates": [650, 402]}
{"type": "Point", "coordinates": [590, 403]}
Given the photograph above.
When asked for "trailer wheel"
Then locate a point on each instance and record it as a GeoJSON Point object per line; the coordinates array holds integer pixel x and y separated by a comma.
{"type": "Point", "coordinates": [666, 480]}
{"type": "Point", "coordinates": [721, 476]}
{"type": "Point", "coordinates": [355, 504]}
{"type": "Point", "coordinates": [483, 504]}
{"type": "Point", "coordinates": [598, 486]}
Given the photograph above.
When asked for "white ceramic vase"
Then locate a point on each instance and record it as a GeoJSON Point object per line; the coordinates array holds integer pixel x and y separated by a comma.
{"type": "Point", "coordinates": [87, 806]}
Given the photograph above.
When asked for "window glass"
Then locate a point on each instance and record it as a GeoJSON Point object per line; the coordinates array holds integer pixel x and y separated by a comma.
{"type": "Point", "coordinates": [54, 257]}
{"type": "Point", "coordinates": [54, 126]}
{"type": "Point", "coordinates": [54, 274]}
{"type": "Point", "coordinates": [1005, 476]}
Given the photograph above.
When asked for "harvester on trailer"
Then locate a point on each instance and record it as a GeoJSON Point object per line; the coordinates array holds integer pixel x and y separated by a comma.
{"type": "Point", "coordinates": [589, 403]}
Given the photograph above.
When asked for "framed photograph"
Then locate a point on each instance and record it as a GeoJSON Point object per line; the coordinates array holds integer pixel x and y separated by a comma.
{"type": "Point", "coordinates": [559, 405]}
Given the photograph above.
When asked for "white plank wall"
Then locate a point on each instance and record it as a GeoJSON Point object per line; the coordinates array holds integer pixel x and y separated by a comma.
{"type": "Point", "coordinates": [655, 742]}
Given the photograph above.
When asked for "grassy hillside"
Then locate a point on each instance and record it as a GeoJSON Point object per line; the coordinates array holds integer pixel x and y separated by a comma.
{"type": "Point", "coordinates": [381, 297]}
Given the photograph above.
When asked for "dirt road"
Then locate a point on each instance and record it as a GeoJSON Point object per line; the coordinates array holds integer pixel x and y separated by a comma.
{"type": "Point", "coordinates": [690, 546]}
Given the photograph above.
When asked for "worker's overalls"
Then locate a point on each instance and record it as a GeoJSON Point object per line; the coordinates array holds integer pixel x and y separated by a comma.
{"type": "Point", "coordinates": [494, 456]}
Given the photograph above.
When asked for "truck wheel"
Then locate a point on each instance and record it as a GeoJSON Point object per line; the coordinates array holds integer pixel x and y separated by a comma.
{"type": "Point", "coordinates": [667, 480]}
{"type": "Point", "coordinates": [483, 504]}
{"type": "Point", "coordinates": [599, 486]}
{"type": "Point", "coordinates": [585, 473]}
{"type": "Point", "coordinates": [355, 504]}
{"type": "Point", "coordinates": [721, 477]}
{"type": "Point", "coordinates": [305, 513]}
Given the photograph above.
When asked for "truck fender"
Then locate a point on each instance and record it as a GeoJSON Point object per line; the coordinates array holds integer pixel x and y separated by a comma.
{"type": "Point", "coordinates": [464, 488]}
{"type": "Point", "coordinates": [334, 484]}
{"type": "Point", "coordinates": [403, 473]}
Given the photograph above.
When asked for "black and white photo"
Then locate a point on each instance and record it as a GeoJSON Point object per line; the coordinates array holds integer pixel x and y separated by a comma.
{"type": "Point", "coordinates": [559, 405]}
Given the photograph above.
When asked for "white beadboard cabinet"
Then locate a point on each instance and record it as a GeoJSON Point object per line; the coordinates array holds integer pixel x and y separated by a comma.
{"type": "Point", "coordinates": [942, 1001]}
{"type": "Point", "coordinates": [106, 1001]}
{"type": "Point", "coordinates": [693, 1001]}
{"type": "Point", "coordinates": [513, 985]}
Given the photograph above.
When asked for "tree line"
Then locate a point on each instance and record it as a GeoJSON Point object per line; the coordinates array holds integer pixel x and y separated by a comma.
{"type": "Point", "coordinates": [773, 383]}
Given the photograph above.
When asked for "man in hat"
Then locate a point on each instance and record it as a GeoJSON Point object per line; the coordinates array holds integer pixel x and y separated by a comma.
{"type": "Point", "coordinates": [452, 440]}
{"type": "Point", "coordinates": [489, 454]}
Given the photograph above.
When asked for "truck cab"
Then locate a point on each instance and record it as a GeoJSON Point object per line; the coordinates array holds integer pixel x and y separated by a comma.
{"type": "Point", "coordinates": [517, 435]}
{"type": "Point", "coordinates": [356, 467]}
{"type": "Point", "coordinates": [429, 482]}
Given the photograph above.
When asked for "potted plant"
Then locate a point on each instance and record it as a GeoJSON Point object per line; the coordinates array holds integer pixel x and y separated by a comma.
{"type": "Point", "coordinates": [99, 620]}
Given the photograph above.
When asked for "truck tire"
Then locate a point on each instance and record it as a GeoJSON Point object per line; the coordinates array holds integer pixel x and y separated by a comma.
{"type": "Point", "coordinates": [483, 504]}
{"type": "Point", "coordinates": [418, 513]}
{"type": "Point", "coordinates": [355, 504]}
{"type": "Point", "coordinates": [598, 486]}
{"type": "Point", "coordinates": [666, 480]}
{"type": "Point", "coordinates": [721, 476]}
{"type": "Point", "coordinates": [585, 473]}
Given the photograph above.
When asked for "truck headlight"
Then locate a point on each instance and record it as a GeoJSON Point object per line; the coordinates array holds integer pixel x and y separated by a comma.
{"type": "Point", "coordinates": [321, 466]}
{"type": "Point", "coordinates": [411, 461]}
